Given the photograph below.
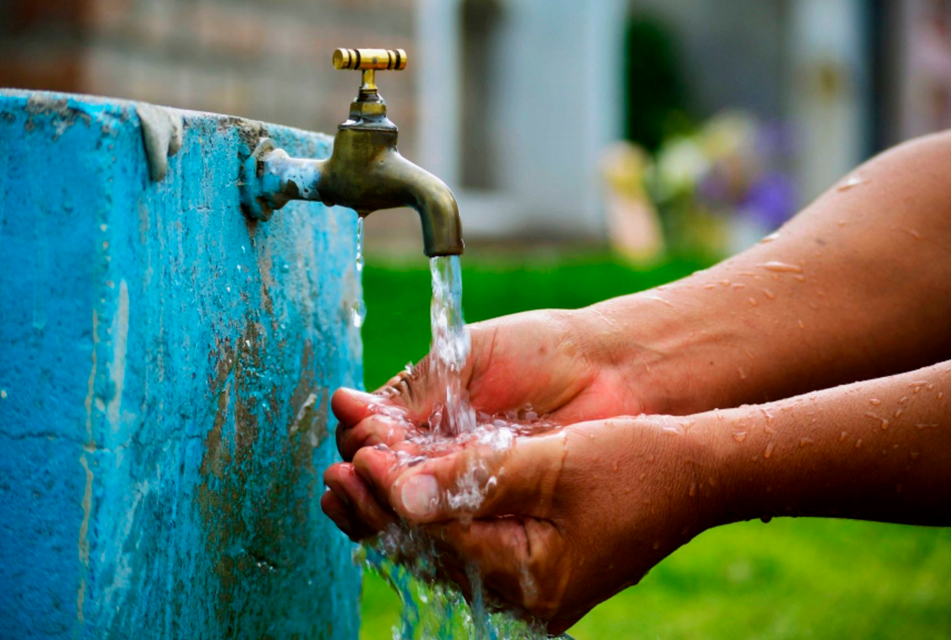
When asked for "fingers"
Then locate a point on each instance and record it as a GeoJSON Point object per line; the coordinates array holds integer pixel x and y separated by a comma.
{"type": "Point", "coordinates": [351, 505]}
{"type": "Point", "coordinates": [475, 481]}
{"type": "Point", "coordinates": [523, 560]}
{"type": "Point", "coordinates": [369, 432]}
{"type": "Point", "coordinates": [351, 406]}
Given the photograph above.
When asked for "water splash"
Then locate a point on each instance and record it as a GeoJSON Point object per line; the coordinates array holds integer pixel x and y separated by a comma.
{"type": "Point", "coordinates": [432, 609]}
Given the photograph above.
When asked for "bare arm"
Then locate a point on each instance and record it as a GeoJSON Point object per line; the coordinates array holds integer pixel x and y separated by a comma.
{"type": "Point", "coordinates": [874, 450]}
{"type": "Point", "coordinates": [858, 285]}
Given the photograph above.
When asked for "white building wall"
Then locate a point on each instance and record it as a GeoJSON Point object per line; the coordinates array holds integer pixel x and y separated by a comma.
{"type": "Point", "coordinates": [558, 103]}
{"type": "Point", "coordinates": [828, 90]}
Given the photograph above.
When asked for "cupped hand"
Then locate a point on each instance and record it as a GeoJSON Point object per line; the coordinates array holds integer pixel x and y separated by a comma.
{"type": "Point", "coordinates": [554, 363]}
{"type": "Point", "coordinates": [567, 518]}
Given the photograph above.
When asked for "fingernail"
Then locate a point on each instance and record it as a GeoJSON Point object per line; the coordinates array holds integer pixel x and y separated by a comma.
{"type": "Point", "coordinates": [420, 495]}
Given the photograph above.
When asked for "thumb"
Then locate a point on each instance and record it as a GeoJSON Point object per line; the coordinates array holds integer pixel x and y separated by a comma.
{"type": "Point", "coordinates": [477, 481]}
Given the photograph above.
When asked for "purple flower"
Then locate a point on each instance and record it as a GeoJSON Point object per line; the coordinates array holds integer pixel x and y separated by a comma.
{"type": "Point", "coordinates": [771, 200]}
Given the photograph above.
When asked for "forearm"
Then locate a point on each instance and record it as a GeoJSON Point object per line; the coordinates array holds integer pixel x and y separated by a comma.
{"type": "Point", "coordinates": [857, 286]}
{"type": "Point", "coordinates": [873, 450]}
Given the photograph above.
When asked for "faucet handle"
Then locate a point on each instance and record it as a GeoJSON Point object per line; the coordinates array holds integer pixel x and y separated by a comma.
{"type": "Point", "coordinates": [369, 103]}
{"type": "Point", "coordinates": [370, 59]}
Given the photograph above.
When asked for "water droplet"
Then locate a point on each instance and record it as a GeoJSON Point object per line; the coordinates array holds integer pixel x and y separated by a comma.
{"type": "Point", "coordinates": [770, 237]}
{"type": "Point", "coordinates": [358, 313]}
{"type": "Point", "coordinates": [802, 325]}
{"type": "Point", "coordinates": [239, 267]}
{"type": "Point", "coordinates": [725, 283]}
{"type": "Point", "coordinates": [781, 267]}
{"type": "Point", "coordinates": [853, 180]}
{"type": "Point", "coordinates": [739, 436]}
{"type": "Point", "coordinates": [898, 412]}
{"type": "Point", "coordinates": [742, 373]}
{"type": "Point", "coordinates": [3, 394]}
{"type": "Point", "coordinates": [805, 442]}
{"type": "Point", "coordinates": [659, 299]}
{"type": "Point", "coordinates": [940, 394]}
{"type": "Point", "coordinates": [858, 443]}
{"type": "Point", "coordinates": [738, 285]}
{"type": "Point", "coordinates": [709, 286]}
{"type": "Point", "coordinates": [843, 436]}
{"type": "Point", "coordinates": [753, 302]}
{"type": "Point", "coordinates": [902, 399]}
{"type": "Point", "coordinates": [874, 402]}
{"type": "Point", "coordinates": [769, 451]}
{"type": "Point", "coordinates": [800, 278]}
{"type": "Point", "coordinates": [769, 294]}
{"type": "Point", "coordinates": [228, 289]}
{"type": "Point", "coordinates": [693, 489]}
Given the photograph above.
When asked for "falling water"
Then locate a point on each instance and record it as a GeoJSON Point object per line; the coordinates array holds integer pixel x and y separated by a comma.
{"type": "Point", "coordinates": [452, 414]}
{"type": "Point", "coordinates": [358, 313]}
{"type": "Point", "coordinates": [433, 610]}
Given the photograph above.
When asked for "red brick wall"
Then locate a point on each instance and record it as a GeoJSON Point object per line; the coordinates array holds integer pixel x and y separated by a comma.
{"type": "Point", "coordinates": [253, 58]}
{"type": "Point", "coordinates": [40, 44]}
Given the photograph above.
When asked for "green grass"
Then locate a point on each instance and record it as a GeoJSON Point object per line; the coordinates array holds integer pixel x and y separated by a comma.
{"type": "Point", "coordinates": [788, 579]}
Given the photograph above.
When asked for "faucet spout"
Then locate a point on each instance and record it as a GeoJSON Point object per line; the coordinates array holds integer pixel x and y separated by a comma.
{"type": "Point", "coordinates": [412, 186]}
{"type": "Point", "coordinates": [365, 172]}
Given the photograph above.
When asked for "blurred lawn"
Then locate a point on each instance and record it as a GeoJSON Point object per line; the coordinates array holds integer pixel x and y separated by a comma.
{"type": "Point", "coordinates": [788, 579]}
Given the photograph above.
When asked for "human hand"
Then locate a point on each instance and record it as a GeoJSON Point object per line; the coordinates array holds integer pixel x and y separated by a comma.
{"type": "Point", "coordinates": [569, 517]}
{"type": "Point", "coordinates": [553, 363]}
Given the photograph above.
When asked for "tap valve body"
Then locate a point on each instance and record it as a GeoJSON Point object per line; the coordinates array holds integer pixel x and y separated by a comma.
{"type": "Point", "coordinates": [365, 172]}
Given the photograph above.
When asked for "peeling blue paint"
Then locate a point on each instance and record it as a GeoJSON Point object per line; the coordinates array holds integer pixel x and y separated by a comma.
{"type": "Point", "coordinates": [165, 372]}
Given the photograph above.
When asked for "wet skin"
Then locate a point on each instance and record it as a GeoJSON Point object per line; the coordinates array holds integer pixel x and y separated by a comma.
{"type": "Point", "coordinates": [857, 287]}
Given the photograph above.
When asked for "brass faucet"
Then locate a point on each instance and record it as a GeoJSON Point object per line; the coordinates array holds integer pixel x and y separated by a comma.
{"type": "Point", "coordinates": [364, 172]}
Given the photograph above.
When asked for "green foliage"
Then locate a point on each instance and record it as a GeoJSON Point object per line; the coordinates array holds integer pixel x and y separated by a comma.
{"type": "Point", "coordinates": [788, 579]}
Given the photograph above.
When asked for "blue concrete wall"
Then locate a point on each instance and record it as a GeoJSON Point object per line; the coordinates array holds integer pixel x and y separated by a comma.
{"type": "Point", "coordinates": [165, 373]}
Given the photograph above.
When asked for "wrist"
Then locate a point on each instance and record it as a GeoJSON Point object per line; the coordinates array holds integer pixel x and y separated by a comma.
{"type": "Point", "coordinates": [683, 357]}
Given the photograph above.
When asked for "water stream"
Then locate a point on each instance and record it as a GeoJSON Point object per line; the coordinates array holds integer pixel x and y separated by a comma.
{"type": "Point", "coordinates": [358, 313]}
{"type": "Point", "coordinates": [433, 610]}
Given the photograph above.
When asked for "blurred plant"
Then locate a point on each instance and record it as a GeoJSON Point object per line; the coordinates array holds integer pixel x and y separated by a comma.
{"type": "Point", "coordinates": [634, 227]}
{"type": "Point", "coordinates": [721, 187]}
